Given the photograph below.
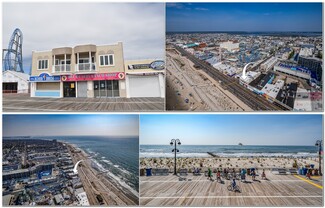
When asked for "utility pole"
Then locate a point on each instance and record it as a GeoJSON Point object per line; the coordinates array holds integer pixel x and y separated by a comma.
{"type": "Point", "coordinates": [319, 144]}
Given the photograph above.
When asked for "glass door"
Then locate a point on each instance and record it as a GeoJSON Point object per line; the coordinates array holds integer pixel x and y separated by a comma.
{"type": "Point", "coordinates": [102, 87]}
{"type": "Point", "coordinates": [96, 89]}
{"type": "Point", "coordinates": [116, 91]}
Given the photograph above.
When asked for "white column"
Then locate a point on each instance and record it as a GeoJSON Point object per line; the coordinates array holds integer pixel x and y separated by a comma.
{"type": "Point", "coordinates": [65, 62]}
{"type": "Point", "coordinates": [161, 78]}
{"type": "Point", "coordinates": [77, 61]}
{"type": "Point", "coordinates": [127, 83]}
{"type": "Point", "coordinates": [90, 60]}
{"type": "Point", "coordinates": [53, 64]}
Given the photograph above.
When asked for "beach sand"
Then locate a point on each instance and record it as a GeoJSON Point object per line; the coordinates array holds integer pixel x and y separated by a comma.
{"type": "Point", "coordinates": [227, 162]}
{"type": "Point", "coordinates": [96, 183]}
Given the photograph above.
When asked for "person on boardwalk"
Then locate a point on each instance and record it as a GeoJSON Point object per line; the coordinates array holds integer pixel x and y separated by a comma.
{"type": "Point", "coordinates": [209, 173]}
{"type": "Point", "coordinates": [253, 175]}
{"type": "Point", "coordinates": [218, 176]}
{"type": "Point", "coordinates": [263, 175]}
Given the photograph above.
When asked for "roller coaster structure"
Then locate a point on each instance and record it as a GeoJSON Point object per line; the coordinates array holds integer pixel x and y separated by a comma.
{"type": "Point", "coordinates": [12, 58]}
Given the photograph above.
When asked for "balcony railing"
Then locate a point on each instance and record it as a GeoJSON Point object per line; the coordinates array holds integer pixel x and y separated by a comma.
{"type": "Point", "coordinates": [86, 67]}
{"type": "Point", "coordinates": [61, 68]}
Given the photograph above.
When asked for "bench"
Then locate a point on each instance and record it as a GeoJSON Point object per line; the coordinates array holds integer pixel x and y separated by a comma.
{"type": "Point", "coordinates": [282, 171]}
{"type": "Point", "coordinates": [293, 171]}
{"type": "Point", "coordinates": [183, 172]}
{"type": "Point", "coordinates": [160, 171]}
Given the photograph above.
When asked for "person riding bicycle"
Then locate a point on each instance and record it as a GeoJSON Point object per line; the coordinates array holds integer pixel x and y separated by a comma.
{"type": "Point", "coordinates": [218, 176]}
{"type": "Point", "coordinates": [233, 184]}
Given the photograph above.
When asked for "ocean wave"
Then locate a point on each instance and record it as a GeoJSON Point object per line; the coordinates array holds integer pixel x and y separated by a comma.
{"type": "Point", "coordinates": [293, 154]}
{"type": "Point", "coordinates": [162, 154]}
{"type": "Point", "coordinates": [123, 183]}
{"type": "Point", "coordinates": [232, 154]}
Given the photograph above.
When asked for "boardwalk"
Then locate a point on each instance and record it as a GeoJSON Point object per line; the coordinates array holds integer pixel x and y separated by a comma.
{"type": "Point", "coordinates": [278, 190]}
{"type": "Point", "coordinates": [24, 103]}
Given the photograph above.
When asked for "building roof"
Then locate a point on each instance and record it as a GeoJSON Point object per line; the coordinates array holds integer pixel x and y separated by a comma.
{"type": "Point", "coordinates": [21, 75]}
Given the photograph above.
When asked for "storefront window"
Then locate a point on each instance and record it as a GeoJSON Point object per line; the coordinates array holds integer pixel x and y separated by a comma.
{"type": "Point", "coordinates": [106, 88]}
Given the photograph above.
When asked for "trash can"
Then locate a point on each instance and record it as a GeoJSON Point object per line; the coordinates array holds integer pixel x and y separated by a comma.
{"type": "Point", "coordinates": [141, 172]}
{"type": "Point", "coordinates": [300, 171]}
{"type": "Point", "coordinates": [148, 171]}
{"type": "Point", "coordinates": [304, 171]}
{"type": "Point", "coordinates": [312, 166]}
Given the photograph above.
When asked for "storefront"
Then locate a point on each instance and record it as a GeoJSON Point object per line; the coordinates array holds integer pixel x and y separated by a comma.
{"type": "Point", "coordinates": [45, 85]}
{"type": "Point", "coordinates": [94, 85]}
{"type": "Point", "coordinates": [145, 78]}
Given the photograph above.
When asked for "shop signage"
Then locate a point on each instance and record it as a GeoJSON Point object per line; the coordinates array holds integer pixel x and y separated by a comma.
{"type": "Point", "coordinates": [156, 65]}
{"type": "Point", "coordinates": [44, 77]}
{"type": "Point", "coordinates": [90, 77]}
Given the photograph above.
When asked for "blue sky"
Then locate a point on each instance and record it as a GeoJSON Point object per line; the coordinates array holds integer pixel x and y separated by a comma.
{"type": "Point", "coordinates": [301, 17]}
{"type": "Point", "coordinates": [207, 129]}
{"type": "Point", "coordinates": [70, 125]}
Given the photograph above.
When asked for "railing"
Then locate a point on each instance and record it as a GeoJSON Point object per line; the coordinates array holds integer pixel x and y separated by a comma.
{"type": "Point", "coordinates": [86, 67]}
{"type": "Point", "coordinates": [61, 68]}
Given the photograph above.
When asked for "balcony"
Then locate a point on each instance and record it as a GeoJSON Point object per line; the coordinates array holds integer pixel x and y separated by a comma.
{"type": "Point", "coordinates": [62, 68]}
{"type": "Point", "coordinates": [86, 67]}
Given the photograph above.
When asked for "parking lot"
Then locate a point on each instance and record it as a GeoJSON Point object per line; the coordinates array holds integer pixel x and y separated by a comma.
{"type": "Point", "coordinates": [24, 103]}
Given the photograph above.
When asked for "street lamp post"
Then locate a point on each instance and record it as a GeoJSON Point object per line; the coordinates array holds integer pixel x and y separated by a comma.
{"type": "Point", "coordinates": [319, 144]}
{"type": "Point", "coordinates": [175, 150]}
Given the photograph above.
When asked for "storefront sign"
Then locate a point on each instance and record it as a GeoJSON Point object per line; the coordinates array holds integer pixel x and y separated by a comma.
{"type": "Point", "coordinates": [156, 65]}
{"type": "Point", "coordinates": [90, 77]}
{"type": "Point", "coordinates": [44, 77]}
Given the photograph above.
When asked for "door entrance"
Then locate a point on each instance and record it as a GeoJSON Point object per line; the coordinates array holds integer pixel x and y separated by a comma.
{"type": "Point", "coordinates": [69, 89]}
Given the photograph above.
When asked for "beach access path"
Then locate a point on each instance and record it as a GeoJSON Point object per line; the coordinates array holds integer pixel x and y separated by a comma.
{"type": "Point", "coordinates": [278, 190]}
{"type": "Point", "coordinates": [95, 183]}
{"type": "Point", "coordinates": [25, 103]}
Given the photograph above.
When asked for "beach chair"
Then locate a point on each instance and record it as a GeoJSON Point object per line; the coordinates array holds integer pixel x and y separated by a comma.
{"type": "Point", "coordinates": [183, 172]}
{"type": "Point", "coordinates": [282, 171]}
{"type": "Point", "coordinates": [293, 171]}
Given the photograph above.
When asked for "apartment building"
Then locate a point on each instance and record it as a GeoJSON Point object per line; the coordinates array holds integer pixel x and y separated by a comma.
{"type": "Point", "coordinates": [80, 71]}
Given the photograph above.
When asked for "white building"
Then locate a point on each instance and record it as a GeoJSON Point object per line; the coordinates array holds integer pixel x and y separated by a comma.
{"type": "Point", "coordinates": [82, 199]}
{"type": "Point", "coordinates": [272, 90]}
{"type": "Point", "coordinates": [15, 82]}
{"type": "Point", "coordinates": [230, 46]}
{"type": "Point", "coordinates": [292, 70]}
{"type": "Point", "coordinates": [269, 64]}
{"type": "Point", "coordinates": [145, 78]}
{"type": "Point", "coordinates": [306, 52]}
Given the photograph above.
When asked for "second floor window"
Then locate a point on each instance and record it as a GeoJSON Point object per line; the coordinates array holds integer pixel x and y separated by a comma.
{"type": "Point", "coordinates": [42, 64]}
{"type": "Point", "coordinates": [106, 60]}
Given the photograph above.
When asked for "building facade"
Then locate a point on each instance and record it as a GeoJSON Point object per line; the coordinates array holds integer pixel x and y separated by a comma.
{"type": "Point", "coordinates": [82, 71]}
{"type": "Point", "coordinates": [145, 78]}
{"type": "Point", "coordinates": [15, 82]}
{"type": "Point", "coordinates": [314, 65]}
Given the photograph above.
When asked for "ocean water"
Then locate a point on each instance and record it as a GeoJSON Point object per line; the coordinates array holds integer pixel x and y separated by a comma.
{"type": "Point", "coordinates": [227, 151]}
{"type": "Point", "coordinates": [118, 155]}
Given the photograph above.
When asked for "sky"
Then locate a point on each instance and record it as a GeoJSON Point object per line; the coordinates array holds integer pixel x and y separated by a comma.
{"type": "Point", "coordinates": [249, 17]}
{"type": "Point", "coordinates": [214, 129]}
{"type": "Point", "coordinates": [71, 125]}
{"type": "Point", "coordinates": [140, 26]}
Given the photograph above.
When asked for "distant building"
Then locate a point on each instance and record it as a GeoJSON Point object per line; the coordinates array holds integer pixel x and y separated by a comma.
{"type": "Point", "coordinates": [293, 70]}
{"type": "Point", "coordinates": [269, 64]}
{"type": "Point", "coordinates": [145, 78]}
{"type": "Point", "coordinates": [313, 64]}
{"type": "Point", "coordinates": [230, 46]}
{"type": "Point", "coordinates": [15, 82]}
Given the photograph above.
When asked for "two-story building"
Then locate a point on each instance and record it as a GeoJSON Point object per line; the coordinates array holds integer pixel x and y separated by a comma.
{"type": "Point", "coordinates": [145, 78]}
{"type": "Point", "coordinates": [81, 71]}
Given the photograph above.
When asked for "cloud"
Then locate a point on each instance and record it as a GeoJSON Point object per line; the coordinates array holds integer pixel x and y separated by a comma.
{"type": "Point", "coordinates": [175, 5]}
{"type": "Point", "coordinates": [140, 26]}
{"type": "Point", "coordinates": [201, 9]}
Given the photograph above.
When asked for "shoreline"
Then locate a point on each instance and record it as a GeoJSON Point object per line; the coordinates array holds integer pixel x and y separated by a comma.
{"type": "Point", "coordinates": [99, 182]}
